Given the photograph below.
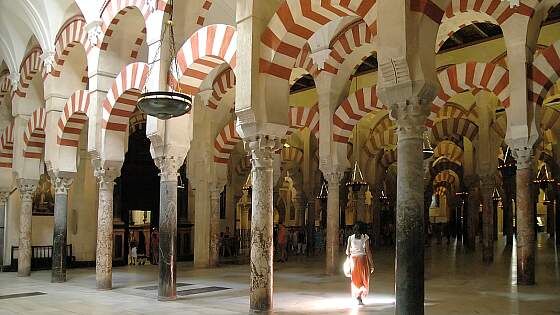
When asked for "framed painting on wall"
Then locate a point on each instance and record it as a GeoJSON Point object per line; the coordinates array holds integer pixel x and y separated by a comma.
{"type": "Point", "coordinates": [43, 198]}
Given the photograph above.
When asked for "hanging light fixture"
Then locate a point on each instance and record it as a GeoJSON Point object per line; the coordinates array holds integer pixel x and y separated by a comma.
{"type": "Point", "coordinates": [545, 200]}
{"type": "Point", "coordinates": [427, 149]}
{"type": "Point", "coordinates": [543, 176]}
{"type": "Point", "coordinates": [248, 187]}
{"type": "Point", "coordinates": [496, 195]}
{"type": "Point", "coordinates": [357, 181]}
{"type": "Point", "coordinates": [166, 104]}
{"type": "Point", "coordinates": [324, 193]}
{"type": "Point", "coordinates": [383, 197]}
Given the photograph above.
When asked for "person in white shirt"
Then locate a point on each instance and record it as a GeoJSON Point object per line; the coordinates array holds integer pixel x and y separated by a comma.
{"type": "Point", "coordinates": [359, 252]}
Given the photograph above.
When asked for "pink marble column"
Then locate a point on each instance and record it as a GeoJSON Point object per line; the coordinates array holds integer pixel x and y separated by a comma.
{"type": "Point", "coordinates": [104, 249]}
{"type": "Point", "coordinates": [486, 189]}
{"type": "Point", "coordinates": [525, 219]}
{"type": "Point", "coordinates": [214, 226]}
{"type": "Point", "coordinates": [26, 190]}
{"type": "Point", "coordinates": [260, 292]}
{"type": "Point", "coordinates": [333, 221]}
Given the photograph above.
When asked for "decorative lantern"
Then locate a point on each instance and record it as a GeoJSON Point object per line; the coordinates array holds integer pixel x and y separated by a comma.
{"type": "Point", "coordinates": [324, 193]}
{"type": "Point", "coordinates": [248, 187]}
{"type": "Point", "coordinates": [357, 181]}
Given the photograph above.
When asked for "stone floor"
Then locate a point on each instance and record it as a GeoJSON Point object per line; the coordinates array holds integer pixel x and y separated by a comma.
{"type": "Point", "coordinates": [457, 283]}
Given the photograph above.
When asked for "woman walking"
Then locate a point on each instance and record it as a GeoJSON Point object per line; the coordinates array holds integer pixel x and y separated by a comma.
{"type": "Point", "coordinates": [359, 252]}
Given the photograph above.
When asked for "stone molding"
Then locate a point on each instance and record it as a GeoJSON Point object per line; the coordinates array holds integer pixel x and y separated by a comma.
{"type": "Point", "coordinates": [62, 185]}
{"type": "Point", "coordinates": [169, 167]}
{"type": "Point", "coordinates": [27, 189]}
{"type": "Point", "coordinates": [106, 176]}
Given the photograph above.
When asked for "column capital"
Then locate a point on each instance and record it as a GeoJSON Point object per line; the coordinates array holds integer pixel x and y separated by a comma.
{"type": "Point", "coordinates": [410, 117]}
{"type": "Point", "coordinates": [94, 31]}
{"type": "Point", "coordinates": [106, 176]}
{"type": "Point", "coordinates": [333, 177]}
{"type": "Point", "coordinates": [62, 185]}
{"type": "Point", "coordinates": [169, 167]}
{"type": "Point", "coordinates": [4, 195]}
{"type": "Point", "coordinates": [261, 148]}
{"type": "Point", "coordinates": [48, 60]}
{"type": "Point", "coordinates": [522, 157]}
{"type": "Point", "coordinates": [27, 188]}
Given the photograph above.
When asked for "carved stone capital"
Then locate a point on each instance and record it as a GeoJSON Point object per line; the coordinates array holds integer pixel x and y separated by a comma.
{"type": "Point", "coordinates": [27, 189]}
{"type": "Point", "coordinates": [94, 31]}
{"type": "Point", "coordinates": [169, 167]}
{"type": "Point", "coordinates": [152, 5]}
{"type": "Point", "coordinates": [48, 60]}
{"type": "Point", "coordinates": [410, 117]}
{"type": "Point", "coordinates": [62, 185]}
{"type": "Point", "coordinates": [333, 178]}
{"type": "Point", "coordinates": [262, 148]}
{"type": "Point", "coordinates": [14, 80]}
{"type": "Point", "coordinates": [4, 195]}
{"type": "Point", "coordinates": [106, 176]}
{"type": "Point", "coordinates": [522, 157]}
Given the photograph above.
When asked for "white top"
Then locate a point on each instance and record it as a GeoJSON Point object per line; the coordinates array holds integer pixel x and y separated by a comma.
{"type": "Point", "coordinates": [357, 246]}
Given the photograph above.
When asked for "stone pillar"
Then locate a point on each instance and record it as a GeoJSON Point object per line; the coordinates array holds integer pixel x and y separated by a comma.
{"type": "Point", "coordinates": [410, 117]}
{"type": "Point", "coordinates": [509, 191]}
{"type": "Point", "coordinates": [333, 221]}
{"type": "Point", "coordinates": [104, 250]}
{"type": "Point", "coordinates": [486, 189]}
{"type": "Point", "coordinates": [471, 212]}
{"type": "Point", "coordinates": [62, 185]}
{"type": "Point", "coordinates": [377, 215]}
{"type": "Point", "coordinates": [214, 225]}
{"type": "Point", "coordinates": [167, 284]}
{"type": "Point", "coordinates": [525, 218]}
{"type": "Point", "coordinates": [360, 197]}
{"type": "Point", "coordinates": [26, 190]}
{"type": "Point", "coordinates": [262, 222]}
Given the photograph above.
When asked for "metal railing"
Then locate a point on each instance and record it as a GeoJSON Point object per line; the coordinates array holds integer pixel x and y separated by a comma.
{"type": "Point", "coordinates": [41, 257]}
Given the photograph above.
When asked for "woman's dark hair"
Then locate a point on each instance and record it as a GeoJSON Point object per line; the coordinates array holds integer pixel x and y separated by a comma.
{"type": "Point", "coordinates": [358, 230]}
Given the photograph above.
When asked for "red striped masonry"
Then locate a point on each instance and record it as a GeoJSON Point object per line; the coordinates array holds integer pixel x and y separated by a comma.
{"type": "Point", "coordinates": [34, 136]}
{"type": "Point", "coordinates": [73, 119]}
{"type": "Point", "coordinates": [29, 67]}
{"type": "Point", "coordinates": [7, 146]}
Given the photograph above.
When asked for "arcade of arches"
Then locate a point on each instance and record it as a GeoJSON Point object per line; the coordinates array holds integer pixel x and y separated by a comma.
{"type": "Point", "coordinates": [430, 121]}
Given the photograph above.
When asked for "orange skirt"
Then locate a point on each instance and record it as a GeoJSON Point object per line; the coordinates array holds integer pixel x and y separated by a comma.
{"type": "Point", "coordinates": [360, 276]}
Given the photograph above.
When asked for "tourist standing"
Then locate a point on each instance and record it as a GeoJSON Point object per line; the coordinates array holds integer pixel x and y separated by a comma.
{"type": "Point", "coordinates": [359, 252]}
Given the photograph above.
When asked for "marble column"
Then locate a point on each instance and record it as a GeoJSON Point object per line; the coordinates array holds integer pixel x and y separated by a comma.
{"type": "Point", "coordinates": [104, 250]}
{"type": "Point", "coordinates": [377, 215]}
{"type": "Point", "coordinates": [471, 212]}
{"type": "Point", "coordinates": [26, 190]}
{"type": "Point", "coordinates": [62, 185]}
{"type": "Point", "coordinates": [486, 189]}
{"type": "Point", "coordinates": [509, 191]}
{"type": "Point", "coordinates": [333, 221]}
{"type": "Point", "coordinates": [167, 283]}
{"type": "Point", "coordinates": [262, 222]}
{"type": "Point", "coordinates": [410, 118]}
{"type": "Point", "coordinates": [525, 223]}
{"type": "Point", "coordinates": [214, 226]}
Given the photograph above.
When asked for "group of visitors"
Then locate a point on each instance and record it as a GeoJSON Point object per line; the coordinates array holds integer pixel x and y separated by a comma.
{"type": "Point", "coordinates": [289, 241]}
{"type": "Point", "coordinates": [137, 248]}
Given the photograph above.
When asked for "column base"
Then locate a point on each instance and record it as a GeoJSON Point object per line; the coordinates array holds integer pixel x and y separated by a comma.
{"type": "Point", "coordinates": [167, 298]}
{"type": "Point", "coordinates": [24, 274]}
{"type": "Point", "coordinates": [58, 279]}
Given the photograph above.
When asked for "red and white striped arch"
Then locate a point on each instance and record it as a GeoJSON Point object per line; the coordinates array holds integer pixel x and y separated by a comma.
{"type": "Point", "coordinates": [545, 73]}
{"type": "Point", "coordinates": [380, 140]}
{"type": "Point", "coordinates": [353, 37]}
{"type": "Point", "coordinates": [114, 7]}
{"type": "Point", "coordinates": [450, 127]}
{"type": "Point", "coordinates": [122, 97]}
{"type": "Point", "coordinates": [433, 9]}
{"type": "Point", "coordinates": [468, 76]}
{"type": "Point", "coordinates": [7, 146]}
{"type": "Point", "coordinates": [499, 10]}
{"type": "Point", "coordinates": [204, 13]}
{"type": "Point", "coordinates": [225, 143]}
{"type": "Point", "coordinates": [304, 117]}
{"type": "Point", "coordinates": [447, 176]}
{"type": "Point", "coordinates": [291, 154]}
{"type": "Point", "coordinates": [71, 34]}
{"type": "Point", "coordinates": [296, 21]}
{"type": "Point", "coordinates": [455, 28]}
{"type": "Point", "coordinates": [34, 136]}
{"type": "Point", "coordinates": [244, 166]}
{"type": "Point", "coordinates": [354, 108]}
{"type": "Point", "coordinates": [549, 117]}
{"type": "Point", "coordinates": [304, 61]}
{"type": "Point", "coordinates": [453, 110]}
{"type": "Point", "coordinates": [31, 65]}
{"type": "Point", "coordinates": [204, 51]}
{"type": "Point", "coordinates": [73, 119]}
{"type": "Point", "coordinates": [450, 150]}
{"type": "Point", "coordinates": [224, 82]}
{"type": "Point", "coordinates": [5, 84]}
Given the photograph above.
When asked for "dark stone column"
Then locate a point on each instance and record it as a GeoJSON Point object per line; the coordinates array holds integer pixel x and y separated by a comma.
{"type": "Point", "coordinates": [62, 185]}
{"type": "Point", "coordinates": [486, 189]}
{"type": "Point", "coordinates": [409, 260]}
{"type": "Point", "coordinates": [261, 289]}
{"type": "Point", "coordinates": [557, 214]}
{"type": "Point", "coordinates": [167, 284]}
{"type": "Point", "coordinates": [526, 235]}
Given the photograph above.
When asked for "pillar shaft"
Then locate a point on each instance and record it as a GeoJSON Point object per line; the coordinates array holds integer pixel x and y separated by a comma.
{"type": "Point", "coordinates": [104, 248]}
{"type": "Point", "coordinates": [525, 221]}
{"type": "Point", "coordinates": [509, 190]}
{"type": "Point", "coordinates": [26, 189]}
{"type": "Point", "coordinates": [261, 223]}
{"type": "Point", "coordinates": [472, 215]}
{"type": "Point", "coordinates": [167, 283]}
{"type": "Point", "coordinates": [409, 260]}
{"type": "Point", "coordinates": [62, 185]}
{"type": "Point", "coordinates": [333, 221]}
{"type": "Point", "coordinates": [486, 189]}
{"type": "Point", "coordinates": [361, 204]}
{"type": "Point", "coordinates": [214, 227]}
